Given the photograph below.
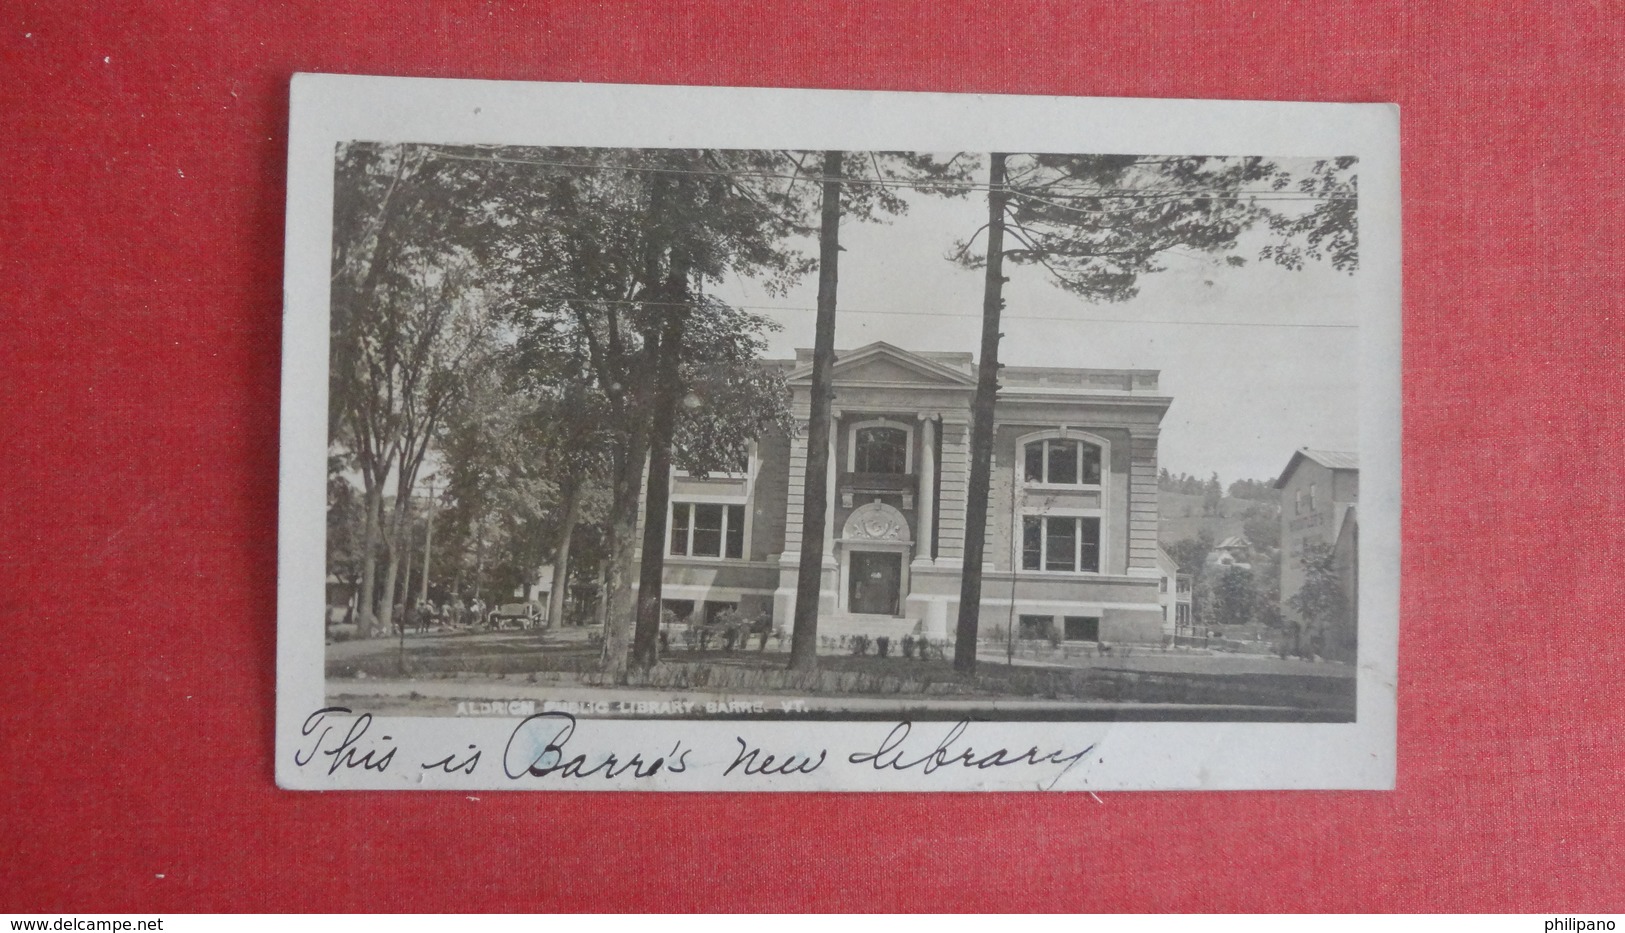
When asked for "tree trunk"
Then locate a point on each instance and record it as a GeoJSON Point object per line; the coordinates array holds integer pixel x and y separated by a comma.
{"type": "Point", "coordinates": [600, 610]}
{"type": "Point", "coordinates": [668, 395]}
{"type": "Point", "coordinates": [406, 552]}
{"type": "Point", "coordinates": [620, 608]}
{"type": "Point", "coordinates": [386, 609]}
{"type": "Point", "coordinates": [561, 557]}
{"type": "Point", "coordinates": [981, 443]}
{"type": "Point", "coordinates": [393, 535]}
{"type": "Point", "coordinates": [369, 560]}
{"type": "Point", "coordinates": [479, 557]}
{"type": "Point", "coordinates": [816, 491]}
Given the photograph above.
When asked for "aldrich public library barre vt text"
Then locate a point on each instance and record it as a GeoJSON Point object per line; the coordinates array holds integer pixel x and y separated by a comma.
{"type": "Point", "coordinates": [1072, 514]}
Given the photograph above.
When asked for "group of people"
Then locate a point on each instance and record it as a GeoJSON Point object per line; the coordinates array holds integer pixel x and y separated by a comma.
{"type": "Point", "coordinates": [420, 615]}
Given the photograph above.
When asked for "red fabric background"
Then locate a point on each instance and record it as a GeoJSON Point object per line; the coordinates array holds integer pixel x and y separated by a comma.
{"type": "Point", "coordinates": [142, 161]}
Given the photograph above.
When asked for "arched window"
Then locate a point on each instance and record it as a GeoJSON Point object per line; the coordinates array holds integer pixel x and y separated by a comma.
{"type": "Point", "coordinates": [880, 449]}
{"type": "Point", "coordinates": [1062, 461]}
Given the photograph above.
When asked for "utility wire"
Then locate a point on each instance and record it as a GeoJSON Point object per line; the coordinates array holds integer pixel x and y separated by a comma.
{"type": "Point", "coordinates": [972, 317]}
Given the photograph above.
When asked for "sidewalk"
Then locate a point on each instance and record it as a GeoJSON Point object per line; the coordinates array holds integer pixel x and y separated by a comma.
{"type": "Point", "coordinates": [442, 698]}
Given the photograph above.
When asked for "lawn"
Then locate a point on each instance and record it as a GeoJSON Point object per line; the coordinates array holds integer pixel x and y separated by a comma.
{"type": "Point", "coordinates": [1149, 677]}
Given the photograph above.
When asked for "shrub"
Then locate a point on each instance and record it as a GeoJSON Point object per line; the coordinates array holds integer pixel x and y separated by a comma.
{"type": "Point", "coordinates": [699, 637]}
{"type": "Point", "coordinates": [883, 646]}
{"type": "Point", "coordinates": [908, 646]}
{"type": "Point", "coordinates": [859, 644]}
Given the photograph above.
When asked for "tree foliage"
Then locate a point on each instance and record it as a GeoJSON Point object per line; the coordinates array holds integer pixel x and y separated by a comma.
{"type": "Point", "coordinates": [1097, 223]}
{"type": "Point", "coordinates": [1234, 597]}
{"type": "Point", "coordinates": [1329, 231]}
{"type": "Point", "coordinates": [408, 318]}
{"type": "Point", "coordinates": [612, 251]}
{"type": "Point", "coordinates": [1320, 600]}
{"type": "Point", "coordinates": [1261, 525]}
{"type": "Point", "coordinates": [1191, 553]}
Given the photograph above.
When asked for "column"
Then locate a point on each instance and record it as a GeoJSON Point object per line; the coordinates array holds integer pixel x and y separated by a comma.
{"type": "Point", "coordinates": [924, 549]}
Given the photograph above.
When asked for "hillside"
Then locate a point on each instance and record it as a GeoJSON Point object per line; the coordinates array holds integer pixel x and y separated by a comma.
{"type": "Point", "coordinates": [1181, 517]}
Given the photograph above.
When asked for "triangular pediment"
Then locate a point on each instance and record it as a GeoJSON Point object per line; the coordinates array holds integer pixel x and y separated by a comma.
{"type": "Point", "coordinates": [885, 365]}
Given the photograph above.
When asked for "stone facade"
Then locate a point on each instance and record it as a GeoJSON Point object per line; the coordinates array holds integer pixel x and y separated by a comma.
{"type": "Point", "coordinates": [1072, 513]}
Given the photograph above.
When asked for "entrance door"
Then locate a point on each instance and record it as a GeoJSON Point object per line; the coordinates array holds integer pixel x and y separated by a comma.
{"type": "Point", "coordinates": [876, 580]}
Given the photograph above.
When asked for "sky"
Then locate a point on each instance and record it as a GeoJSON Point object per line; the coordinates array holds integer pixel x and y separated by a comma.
{"type": "Point", "coordinates": [1258, 360]}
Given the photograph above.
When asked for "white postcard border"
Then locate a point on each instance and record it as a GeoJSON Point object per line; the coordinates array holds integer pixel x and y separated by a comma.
{"type": "Point", "coordinates": [326, 109]}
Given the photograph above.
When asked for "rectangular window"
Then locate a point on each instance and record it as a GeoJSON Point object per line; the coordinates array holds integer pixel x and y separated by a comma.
{"type": "Point", "coordinates": [1060, 543]}
{"type": "Point", "coordinates": [1089, 463]}
{"type": "Point", "coordinates": [707, 530]}
{"type": "Point", "coordinates": [1089, 546]}
{"type": "Point", "coordinates": [1035, 627]}
{"type": "Point", "coordinates": [736, 531]}
{"type": "Point", "coordinates": [679, 529]}
{"type": "Point", "coordinates": [1082, 628]}
{"type": "Point", "coordinates": [700, 529]}
{"type": "Point", "coordinates": [1032, 543]}
{"type": "Point", "coordinates": [881, 450]}
{"type": "Point", "coordinates": [1035, 463]}
{"type": "Point", "coordinates": [1062, 462]}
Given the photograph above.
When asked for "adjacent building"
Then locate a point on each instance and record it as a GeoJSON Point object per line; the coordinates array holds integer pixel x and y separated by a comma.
{"type": "Point", "coordinates": [1175, 594]}
{"type": "Point", "coordinates": [1071, 543]}
{"type": "Point", "coordinates": [1319, 493]}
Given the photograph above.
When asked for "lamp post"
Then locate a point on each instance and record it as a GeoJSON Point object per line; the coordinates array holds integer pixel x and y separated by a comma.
{"type": "Point", "coordinates": [428, 539]}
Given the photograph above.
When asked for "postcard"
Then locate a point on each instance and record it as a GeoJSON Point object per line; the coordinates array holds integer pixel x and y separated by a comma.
{"type": "Point", "coordinates": [713, 439]}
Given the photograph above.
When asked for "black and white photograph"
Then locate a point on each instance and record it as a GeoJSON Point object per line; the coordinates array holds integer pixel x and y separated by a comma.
{"type": "Point", "coordinates": [915, 467]}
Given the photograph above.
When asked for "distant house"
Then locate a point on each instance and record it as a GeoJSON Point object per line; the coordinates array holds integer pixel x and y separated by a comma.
{"type": "Point", "coordinates": [1175, 595]}
{"type": "Point", "coordinates": [1231, 552]}
{"type": "Point", "coordinates": [1319, 491]}
{"type": "Point", "coordinates": [1184, 609]}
